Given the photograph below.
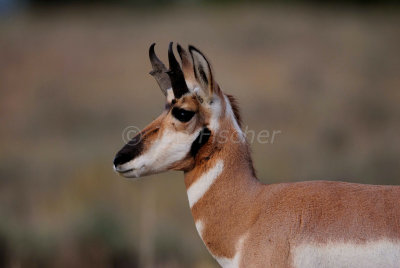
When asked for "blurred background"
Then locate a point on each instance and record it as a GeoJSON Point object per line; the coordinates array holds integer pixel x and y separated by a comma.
{"type": "Point", "coordinates": [74, 75]}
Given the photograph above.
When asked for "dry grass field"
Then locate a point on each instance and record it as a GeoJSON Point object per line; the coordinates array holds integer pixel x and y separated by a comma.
{"type": "Point", "coordinates": [72, 79]}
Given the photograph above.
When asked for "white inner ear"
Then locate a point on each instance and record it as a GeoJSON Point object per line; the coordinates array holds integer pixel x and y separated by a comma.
{"type": "Point", "coordinates": [202, 71]}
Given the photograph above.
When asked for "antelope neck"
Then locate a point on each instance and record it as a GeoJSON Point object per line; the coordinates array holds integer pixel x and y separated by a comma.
{"type": "Point", "coordinates": [231, 159]}
{"type": "Point", "coordinates": [221, 190]}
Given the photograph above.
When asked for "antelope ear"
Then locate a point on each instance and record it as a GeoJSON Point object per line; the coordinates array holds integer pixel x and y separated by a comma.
{"type": "Point", "coordinates": [203, 74]}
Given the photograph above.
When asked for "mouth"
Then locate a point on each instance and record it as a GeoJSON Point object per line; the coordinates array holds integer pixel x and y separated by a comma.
{"type": "Point", "coordinates": [125, 171]}
{"type": "Point", "coordinates": [129, 172]}
{"type": "Point", "coordinates": [121, 170]}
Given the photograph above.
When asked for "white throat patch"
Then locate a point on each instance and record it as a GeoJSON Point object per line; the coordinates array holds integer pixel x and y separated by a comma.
{"type": "Point", "coordinates": [202, 184]}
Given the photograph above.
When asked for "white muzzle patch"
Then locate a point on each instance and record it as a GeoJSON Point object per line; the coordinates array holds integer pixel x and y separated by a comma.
{"type": "Point", "coordinates": [165, 151]}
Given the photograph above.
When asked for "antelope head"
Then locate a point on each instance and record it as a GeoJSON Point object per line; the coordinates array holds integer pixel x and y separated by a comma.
{"type": "Point", "coordinates": [192, 115]}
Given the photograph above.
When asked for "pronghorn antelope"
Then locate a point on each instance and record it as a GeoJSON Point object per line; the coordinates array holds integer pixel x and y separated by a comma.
{"type": "Point", "coordinates": [242, 222]}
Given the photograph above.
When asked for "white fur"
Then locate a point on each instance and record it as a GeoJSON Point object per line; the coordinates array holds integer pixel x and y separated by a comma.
{"type": "Point", "coordinates": [200, 63]}
{"type": "Point", "coordinates": [231, 115]}
{"type": "Point", "coordinates": [212, 103]}
{"type": "Point", "coordinates": [235, 261]}
{"type": "Point", "coordinates": [202, 184]}
{"type": "Point", "coordinates": [382, 253]}
{"type": "Point", "coordinates": [171, 147]}
{"type": "Point", "coordinates": [170, 95]}
{"type": "Point", "coordinates": [215, 108]}
{"type": "Point", "coordinates": [225, 262]}
{"type": "Point", "coordinates": [200, 227]}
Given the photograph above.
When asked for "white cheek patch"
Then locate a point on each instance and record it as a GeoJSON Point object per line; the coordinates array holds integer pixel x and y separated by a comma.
{"type": "Point", "coordinates": [171, 147]}
{"type": "Point", "coordinates": [382, 253]}
{"type": "Point", "coordinates": [204, 182]}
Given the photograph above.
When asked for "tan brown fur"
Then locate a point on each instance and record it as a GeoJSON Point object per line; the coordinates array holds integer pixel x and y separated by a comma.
{"type": "Point", "coordinates": [278, 217]}
{"type": "Point", "coordinates": [226, 198]}
{"type": "Point", "coordinates": [235, 108]}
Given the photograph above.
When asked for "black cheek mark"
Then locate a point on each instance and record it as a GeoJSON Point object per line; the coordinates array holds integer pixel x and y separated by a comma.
{"type": "Point", "coordinates": [201, 139]}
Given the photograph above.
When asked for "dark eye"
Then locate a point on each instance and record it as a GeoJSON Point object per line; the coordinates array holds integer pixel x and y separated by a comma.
{"type": "Point", "coordinates": [182, 114]}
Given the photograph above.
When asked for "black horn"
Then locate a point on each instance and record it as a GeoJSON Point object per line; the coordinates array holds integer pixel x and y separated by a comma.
{"type": "Point", "coordinates": [159, 71]}
{"type": "Point", "coordinates": [176, 75]}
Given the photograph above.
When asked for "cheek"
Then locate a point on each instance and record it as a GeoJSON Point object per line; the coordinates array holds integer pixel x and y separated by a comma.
{"type": "Point", "coordinates": [171, 148]}
{"type": "Point", "coordinates": [186, 128]}
{"type": "Point", "coordinates": [183, 165]}
{"type": "Point", "coordinates": [179, 143]}
{"type": "Point", "coordinates": [191, 126]}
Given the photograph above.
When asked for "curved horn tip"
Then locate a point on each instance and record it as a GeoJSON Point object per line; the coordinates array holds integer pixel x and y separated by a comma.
{"type": "Point", "coordinates": [156, 63]}
{"type": "Point", "coordinates": [158, 71]}
{"type": "Point", "coordinates": [173, 63]}
{"type": "Point", "coordinates": [151, 49]}
{"type": "Point", "coordinates": [171, 49]}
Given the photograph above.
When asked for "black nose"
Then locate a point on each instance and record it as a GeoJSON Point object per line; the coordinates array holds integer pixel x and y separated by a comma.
{"type": "Point", "coordinates": [121, 158]}
{"type": "Point", "coordinates": [129, 151]}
